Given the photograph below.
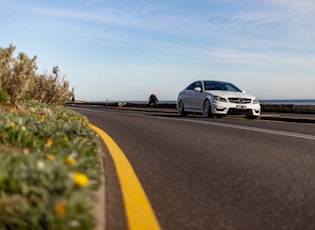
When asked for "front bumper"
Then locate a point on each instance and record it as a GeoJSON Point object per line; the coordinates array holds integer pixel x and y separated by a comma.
{"type": "Point", "coordinates": [236, 109]}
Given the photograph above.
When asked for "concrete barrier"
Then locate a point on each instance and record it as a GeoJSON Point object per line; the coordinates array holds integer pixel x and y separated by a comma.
{"type": "Point", "coordinates": [288, 108]}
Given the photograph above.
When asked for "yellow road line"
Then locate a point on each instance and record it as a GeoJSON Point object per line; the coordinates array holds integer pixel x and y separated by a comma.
{"type": "Point", "coordinates": [139, 212]}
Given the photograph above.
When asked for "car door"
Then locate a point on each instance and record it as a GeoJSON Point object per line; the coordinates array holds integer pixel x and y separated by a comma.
{"type": "Point", "coordinates": [186, 96]}
{"type": "Point", "coordinates": [196, 98]}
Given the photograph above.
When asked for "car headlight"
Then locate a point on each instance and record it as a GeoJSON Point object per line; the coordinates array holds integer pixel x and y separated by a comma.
{"type": "Point", "coordinates": [220, 99]}
{"type": "Point", "coordinates": [255, 101]}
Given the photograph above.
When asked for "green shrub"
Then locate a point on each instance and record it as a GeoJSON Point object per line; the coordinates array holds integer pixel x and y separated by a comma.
{"type": "Point", "coordinates": [19, 79]}
{"type": "Point", "coordinates": [51, 88]}
{"type": "Point", "coordinates": [4, 98]}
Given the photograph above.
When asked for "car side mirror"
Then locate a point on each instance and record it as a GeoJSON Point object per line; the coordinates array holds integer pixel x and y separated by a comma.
{"type": "Point", "coordinates": [197, 89]}
{"type": "Point", "coordinates": [243, 91]}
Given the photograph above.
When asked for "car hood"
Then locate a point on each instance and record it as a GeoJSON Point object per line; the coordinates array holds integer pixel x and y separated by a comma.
{"type": "Point", "coordinates": [227, 94]}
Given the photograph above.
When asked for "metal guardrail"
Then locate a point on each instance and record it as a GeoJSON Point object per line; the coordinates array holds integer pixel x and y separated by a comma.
{"type": "Point", "coordinates": [288, 108]}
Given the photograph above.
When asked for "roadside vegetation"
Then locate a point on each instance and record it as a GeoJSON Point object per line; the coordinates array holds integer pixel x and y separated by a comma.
{"type": "Point", "coordinates": [19, 81]}
{"type": "Point", "coordinates": [50, 162]}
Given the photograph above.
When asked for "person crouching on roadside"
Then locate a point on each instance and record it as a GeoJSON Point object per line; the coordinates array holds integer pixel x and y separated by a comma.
{"type": "Point", "coordinates": [153, 100]}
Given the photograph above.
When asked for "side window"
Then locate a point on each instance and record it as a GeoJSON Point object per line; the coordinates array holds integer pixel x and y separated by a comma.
{"type": "Point", "coordinates": [198, 84]}
{"type": "Point", "coordinates": [191, 86]}
{"type": "Point", "coordinates": [208, 85]}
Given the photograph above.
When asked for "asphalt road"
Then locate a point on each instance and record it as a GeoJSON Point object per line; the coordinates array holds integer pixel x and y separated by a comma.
{"type": "Point", "coordinates": [214, 173]}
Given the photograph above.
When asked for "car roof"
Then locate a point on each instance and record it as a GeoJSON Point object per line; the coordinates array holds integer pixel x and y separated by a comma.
{"type": "Point", "coordinates": [214, 81]}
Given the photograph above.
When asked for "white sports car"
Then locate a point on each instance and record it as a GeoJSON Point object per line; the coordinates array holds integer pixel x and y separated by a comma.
{"type": "Point", "coordinates": [216, 98]}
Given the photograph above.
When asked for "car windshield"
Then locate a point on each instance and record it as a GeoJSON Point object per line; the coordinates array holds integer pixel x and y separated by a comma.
{"type": "Point", "coordinates": [217, 85]}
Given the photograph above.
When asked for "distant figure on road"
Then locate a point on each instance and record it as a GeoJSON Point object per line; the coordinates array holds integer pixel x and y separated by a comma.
{"type": "Point", "coordinates": [153, 100]}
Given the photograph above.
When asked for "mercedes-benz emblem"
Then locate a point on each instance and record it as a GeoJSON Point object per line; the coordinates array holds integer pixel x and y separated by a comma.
{"type": "Point", "coordinates": [241, 101]}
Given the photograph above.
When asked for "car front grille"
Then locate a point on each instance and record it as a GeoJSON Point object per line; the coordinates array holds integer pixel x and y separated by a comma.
{"type": "Point", "coordinates": [238, 100]}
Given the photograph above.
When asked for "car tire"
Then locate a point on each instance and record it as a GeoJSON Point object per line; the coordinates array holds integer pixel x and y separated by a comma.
{"type": "Point", "coordinates": [206, 110]}
{"type": "Point", "coordinates": [181, 109]}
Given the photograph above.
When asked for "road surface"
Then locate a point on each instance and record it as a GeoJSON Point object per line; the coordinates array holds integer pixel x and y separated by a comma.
{"type": "Point", "coordinates": [203, 173]}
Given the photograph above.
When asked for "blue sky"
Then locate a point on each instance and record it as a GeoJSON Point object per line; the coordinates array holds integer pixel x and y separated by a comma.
{"type": "Point", "coordinates": [126, 50]}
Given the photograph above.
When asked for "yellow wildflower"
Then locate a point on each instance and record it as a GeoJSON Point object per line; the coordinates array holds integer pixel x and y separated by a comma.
{"type": "Point", "coordinates": [50, 156]}
{"type": "Point", "coordinates": [42, 118]}
{"type": "Point", "coordinates": [81, 179]}
{"type": "Point", "coordinates": [60, 209]}
{"type": "Point", "coordinates": [70, 161]}
{"type": "Point", "coordinates": [12, 110]}
{"type": "Point", "coordinates": [12, 124]}
{"type": "Point", "coordinates": [23, 128]}
{"type": "Point", "coordinates": [49, 143]}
